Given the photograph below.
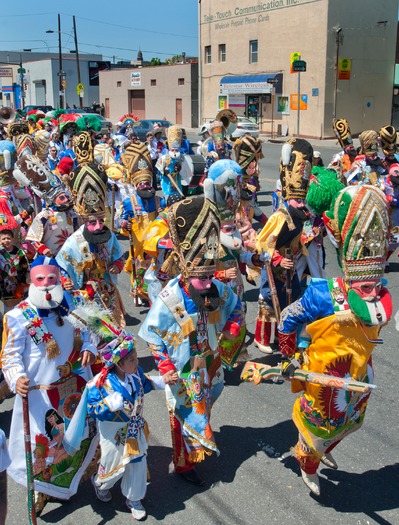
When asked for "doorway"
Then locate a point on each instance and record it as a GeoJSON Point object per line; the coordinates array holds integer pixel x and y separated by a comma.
{"type": "Point", "coordinates": [137, 102]}
{"type": "Point", "coordinates": [179, 111]}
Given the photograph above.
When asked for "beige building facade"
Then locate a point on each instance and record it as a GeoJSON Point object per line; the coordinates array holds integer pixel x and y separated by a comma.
{"type": "Point", "coordinates": [167, 92]}
{"type": "Point", "coordinates": [249, 48]}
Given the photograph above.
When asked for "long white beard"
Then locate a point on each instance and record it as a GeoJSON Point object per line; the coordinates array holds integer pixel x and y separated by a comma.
{"type": "Point", "coordinates": [37, 296]}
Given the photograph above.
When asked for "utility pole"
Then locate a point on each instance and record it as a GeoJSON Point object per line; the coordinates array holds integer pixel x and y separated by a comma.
{"type": "Point", "coordinates": [21, 72]}
{"type": "Point", "coordinates": [60, 72]}
{"type": "Point", "coordinates": [337, 41]}
{"type": "Point", "coordinates": [77, 63]}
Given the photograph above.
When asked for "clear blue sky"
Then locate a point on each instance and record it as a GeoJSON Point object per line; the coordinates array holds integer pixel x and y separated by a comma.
{"type": "Point", "coordinates": [159, 28]}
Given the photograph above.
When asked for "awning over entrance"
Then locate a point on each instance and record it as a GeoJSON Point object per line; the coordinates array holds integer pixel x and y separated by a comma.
{"type": "Point", "coordinates": [251, 83]}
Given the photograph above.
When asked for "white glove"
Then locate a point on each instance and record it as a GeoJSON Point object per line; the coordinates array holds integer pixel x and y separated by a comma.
{"type": "Point", "coordinates": [115, 401]}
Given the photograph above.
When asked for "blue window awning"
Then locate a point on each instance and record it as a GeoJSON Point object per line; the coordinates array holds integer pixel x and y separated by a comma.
{"type": "Point", "coordinates": [230, 84]}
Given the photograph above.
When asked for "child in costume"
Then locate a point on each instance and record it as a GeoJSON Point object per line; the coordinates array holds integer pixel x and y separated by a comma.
{"type": "Point", "coordinates": [115, 397]}
{"type": "Point", "coordinates": [14, 271]}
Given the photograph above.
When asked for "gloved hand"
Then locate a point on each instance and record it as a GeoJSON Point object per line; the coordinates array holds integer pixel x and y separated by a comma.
{"type": "Point", "coordinates": [288, 367]}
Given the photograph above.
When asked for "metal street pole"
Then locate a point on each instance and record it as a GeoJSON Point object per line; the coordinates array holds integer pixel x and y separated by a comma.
{"type": "Point", "coordinates": [337, 38]}
{"type": "Point", "coordinates": [60, 72]}
{"type": "Point", "coordinates": [77, 61]}
{"type": "Point", "coordinates": [299, 103]}
{"type": "Point", "coordinates": [21, 77]}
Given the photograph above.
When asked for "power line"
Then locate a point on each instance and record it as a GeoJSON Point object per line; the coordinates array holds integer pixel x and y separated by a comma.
{"type": "Point", "coordinates": [135, 28]}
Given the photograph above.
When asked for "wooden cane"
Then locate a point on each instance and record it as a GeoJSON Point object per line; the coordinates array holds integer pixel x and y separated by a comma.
{"type": "Point", "coordinates": [288, 282]}
{"type": "Point", "coordinates": [112, 219]}
{"type": "Point", "coordinates": [256, 372]}
{"type": "Point", "coordinates": [29, 465]}
{"type": "Point", "coordinates": [273, 290]}
{"type": "Point", "coordinates": [134, 273]}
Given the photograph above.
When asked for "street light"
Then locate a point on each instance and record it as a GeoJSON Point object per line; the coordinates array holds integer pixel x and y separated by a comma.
{"type": "Point", "coordinates": [61, 73]}
{"type": "Point", "coordinates": [76, 51]}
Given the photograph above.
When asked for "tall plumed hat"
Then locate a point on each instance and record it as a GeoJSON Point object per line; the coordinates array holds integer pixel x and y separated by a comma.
{"type": "Point", "coordinates": [222, 186]}
{"type": "Point", "coordinates": [89, 188]}
{"type": "Point", "coordinates": [248, 151]}
{"type": "Point", "coordinates": [358, 225]}
{"type": "Point", "coordinates": [17, 128]}
{"type": "Point", "coordinates": [217, 131]}
{"type": "Point", "coordinates": [295, 168]}
{"type": "Point", "coordinates": [137, 161]}
{"type": "Point", "coordinates": [103, 155]}
{"type": "Point", "coordinates": [368, 142]}
{"type": "Point", "coordinates": [342, 132]}
{"type": "Point", "coordinates": [175, 136]}
{"type": "Point", "coordinates": [42, 140]}
{"type": "Point", "coordinates": [30, 171]}
{"type": "Point", "coordinates": [25, 145]}
{"type": "Point", "coordinates": [83, 148]}
{"type": "Point", "coordinates": [194, 227]}
{"type": "Point", "coordinates": [323, 187]}
{"type": "Point", "coordinates": [388, 140]}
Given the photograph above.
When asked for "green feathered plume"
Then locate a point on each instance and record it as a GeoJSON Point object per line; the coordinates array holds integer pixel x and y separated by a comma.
{"type": "Point", "coordinates": [88, 122]}
{"type": "Point", "coordinates": [324, 185]}
{"type": "Point", "coordinates": [59, 112]}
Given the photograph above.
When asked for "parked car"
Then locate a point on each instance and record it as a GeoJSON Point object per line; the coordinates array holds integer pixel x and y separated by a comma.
{"type": "Point", "coordinates": [142, 127]}
{"type": "Point", "coordinates": [75, 110]}
{"type": "Point", "coordinates": [245, 125]}
{"type": "Point", "coordinates": [26, 109]}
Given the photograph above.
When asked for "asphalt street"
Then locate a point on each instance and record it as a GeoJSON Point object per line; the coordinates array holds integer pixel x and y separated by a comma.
{"type": "Point", "coordinates": [255, 479]}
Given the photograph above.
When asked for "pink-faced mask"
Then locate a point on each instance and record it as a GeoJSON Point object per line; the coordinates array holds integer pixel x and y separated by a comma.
{"type": "Point", "coordinates": [201, 283]}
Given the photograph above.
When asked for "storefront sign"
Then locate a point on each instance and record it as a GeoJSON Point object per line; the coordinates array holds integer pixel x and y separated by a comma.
{"type": "Point", "coordinates": [250, 15]}
{"type": "Point", "coordinates": [294, 102]}
{"type": "Point", "coordinates": [245, 87]}
{"type": "Point", "coordinates": [5, 72]}
{"type": "Point", "coordinates": [135, 78]}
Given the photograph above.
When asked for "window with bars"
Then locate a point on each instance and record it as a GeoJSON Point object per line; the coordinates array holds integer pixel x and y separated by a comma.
{"type": "Point", "coordinates": [153, 82]}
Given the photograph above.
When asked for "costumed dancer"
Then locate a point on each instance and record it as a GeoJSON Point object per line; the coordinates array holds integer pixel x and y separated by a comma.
{"type": "Point", "coordinates": [55, 223]}
{"type": "Point", "coordinates": [155, 147]}
{"type": "Point", "coordinates": [343, 160]}
{"type": "Point", "coordinates": [279, 242]}
{"type": "Point", "coordinates": [343, 318]}
{"type": "Point", "coordinates": [136, 213]}
{"type": "Point", "coordinates": [324, 183]}
{"type": "Point", "coordinates": [92, 256]}
{"type": "Point", "coordinates": [222, 187]}
{"type": "Point", "coordinates": [14, 269]}
{"type": "Point", "coordinates": [367, 167]}
{"type": "Point", "coordinates": [218, 147]}
{"type": "Point", "coordinates": [115, 398]}
{"type": "Point", "coordinates": [184, 327]}
{"type": "Point", "coordinates": [388, 140]}
{"type": "Point", "coordinates": [46, 358]}
{"type": "Point", "coordinates": [169, 164]}
{"type": "Point", "coordinates": [248, 152]}
{"type": "Point", "coordinates": [391, 190]}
